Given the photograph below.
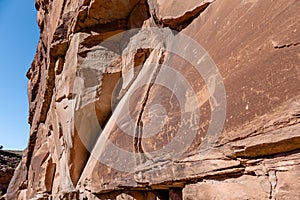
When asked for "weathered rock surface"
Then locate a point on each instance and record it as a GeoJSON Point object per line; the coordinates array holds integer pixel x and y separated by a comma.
{"type": "Point", "coordinates": [9, 160]}
{"type": "Point", "coordinates": [98, 93]}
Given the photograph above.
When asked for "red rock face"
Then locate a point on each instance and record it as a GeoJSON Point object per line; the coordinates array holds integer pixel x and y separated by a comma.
{"type": "Point", "coordinates": [9, 160]}
{"type": "Point", "coordinates": [163, 100]}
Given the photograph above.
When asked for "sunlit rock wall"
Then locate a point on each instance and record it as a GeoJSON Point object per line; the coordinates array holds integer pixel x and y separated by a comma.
{"type": "Point", "coordinates": [136, 99]}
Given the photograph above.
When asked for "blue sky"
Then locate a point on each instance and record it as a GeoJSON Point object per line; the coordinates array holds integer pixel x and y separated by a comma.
{"type": "Point", "coordinates": [19, 35]}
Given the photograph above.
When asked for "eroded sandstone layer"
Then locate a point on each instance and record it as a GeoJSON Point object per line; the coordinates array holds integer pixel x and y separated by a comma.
{"type": "Point", "coordinates": [105, 102]}
{"type": "Point", "coordinates": [9, 160]}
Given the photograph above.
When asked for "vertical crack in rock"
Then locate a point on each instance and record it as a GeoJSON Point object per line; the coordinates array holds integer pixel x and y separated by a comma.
{"type": "Point", "coordinates": [34, 76]}
{"type": "Point", "coordinates": [48, 92]}
{"type": "Point", "coordinates": [139, 125]}
{"type": "Point", "coordinates": [156, 19]}
{"type": "Point", "coordinates": [30, 148]}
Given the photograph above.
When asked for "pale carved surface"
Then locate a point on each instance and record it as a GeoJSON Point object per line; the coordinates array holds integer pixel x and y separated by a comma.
{"type": "Point", "coordinates": [82, 100]}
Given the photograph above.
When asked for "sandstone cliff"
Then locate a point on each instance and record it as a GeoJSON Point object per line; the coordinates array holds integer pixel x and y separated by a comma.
{"type": "Point", "coordinates": [137, 99]}
{"type": "Point", "coordinates": [9, 160]}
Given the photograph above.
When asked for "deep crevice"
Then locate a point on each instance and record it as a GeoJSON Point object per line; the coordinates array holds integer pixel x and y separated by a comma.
{"type": "Point", "coordinates": [30, 149]}
{"type": "Point", "coordinates": [139, 125]}
{"type": "Point", "coordinates": [50, 84]}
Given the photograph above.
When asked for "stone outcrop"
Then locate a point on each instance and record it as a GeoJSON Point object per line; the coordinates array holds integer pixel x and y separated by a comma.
{"type": "Point", "coordinates": [158, 99]}
{"type": "Point", "coordinates": [9, 160]}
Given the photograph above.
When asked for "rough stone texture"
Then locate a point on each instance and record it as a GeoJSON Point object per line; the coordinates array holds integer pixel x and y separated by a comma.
{"type": "Point", "coordinates": [9, 160]}
{"type": "Point", "coordinates": [244, 187]}
{"type": "Point", "coordinates": [82, 78]}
